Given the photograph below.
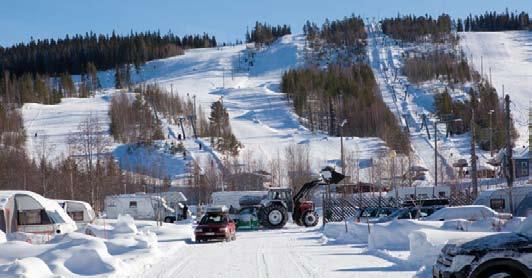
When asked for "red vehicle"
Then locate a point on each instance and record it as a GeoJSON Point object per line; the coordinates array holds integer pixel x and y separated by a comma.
{"type": "Point", "coordinates": [215, 224]}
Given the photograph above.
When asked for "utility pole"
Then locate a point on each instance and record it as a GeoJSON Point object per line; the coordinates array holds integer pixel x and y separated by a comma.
{"type": "Point", "coordinates": [435, 158]}
{"type": "Point", "coordinates": [509, 161]}
{"type": "Point", "coordinates": [474, 180]}
{"type": "Point", "coordinates": [491, 131]}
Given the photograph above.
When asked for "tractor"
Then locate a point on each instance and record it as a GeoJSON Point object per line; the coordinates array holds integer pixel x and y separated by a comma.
{"type": "Point", "coordinates": [273, 212]}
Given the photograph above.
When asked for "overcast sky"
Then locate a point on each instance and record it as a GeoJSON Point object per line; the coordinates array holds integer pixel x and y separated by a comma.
{"type": "Point", "coordinates": [226, 19]}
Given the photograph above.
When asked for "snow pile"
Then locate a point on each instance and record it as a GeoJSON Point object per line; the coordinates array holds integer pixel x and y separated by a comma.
{"type": "Point", "coordinates": [30, 238]}
{"type": "Point", "coordinates": [394, 235]}
{"type": "Point", "coordinates": [426, 244]}
{"type": "Point", "coordinates": [335, 232]}
{"type": "Point", "coordinates": [26, 267]}
{"type": "Point", "coordinates": [473, 213]}
{"type": "Point", "coordinates": [125, 224]}
{"type": "Point", "coordinates": [67, 255]}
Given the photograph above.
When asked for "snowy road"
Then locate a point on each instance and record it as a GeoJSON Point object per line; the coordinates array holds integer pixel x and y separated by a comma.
{"type": "Point", "coordinates": [289, 252]}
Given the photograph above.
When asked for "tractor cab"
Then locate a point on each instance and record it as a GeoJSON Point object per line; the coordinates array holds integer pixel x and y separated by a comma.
{"type": "Point", "coordinates": [283, 195]}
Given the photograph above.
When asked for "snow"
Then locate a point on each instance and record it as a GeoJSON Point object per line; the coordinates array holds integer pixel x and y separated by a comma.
{"type": "Point", "coordinates": [394, 235]}
{"type": "Point", "coordinates": [120, 248]}
{"type": "Point", "coordinates": [54, 124]}
{"type": "Point", "coordinates": [473, 212]}
{"type": "Point", "coordinates": [426, 244]}
{"type": "Point", "coordinates": [507, 54]}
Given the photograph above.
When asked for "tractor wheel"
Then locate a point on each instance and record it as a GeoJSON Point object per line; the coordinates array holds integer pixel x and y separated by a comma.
{"type": "Point", "coordinates": [273, 216]}
{"type": "Point", "coordinates": [310, 219]}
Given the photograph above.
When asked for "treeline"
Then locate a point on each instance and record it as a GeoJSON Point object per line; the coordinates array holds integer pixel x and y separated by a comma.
{"type": "Point", "coordinates": [73, 54]}
{"type": "Point", "coordinates": [42, 88]}
{"type": "Point", "coordinates": [323, 98]}
{"type": "Point", "coordinates": [493, 21]}
{"type": "Point", "coordinates": [345, 32]}
{"type": "Point", "coordinates": [132, 120]}
{"type": "Point", "coordinates": [482, 100]}
{"type": "Point", "coordinates": [11, 128]}
{"type": "Point", "coordinates": [410, 28]}
{"type": "Point", "coordinates": [65, 179]}
{"type": "Point", "coordinates": [435, 65]}
{"type": "Point", "coordinates": [263, 33]}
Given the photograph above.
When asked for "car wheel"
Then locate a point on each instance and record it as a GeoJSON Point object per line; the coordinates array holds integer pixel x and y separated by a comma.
{"type": "Point", "coordinates": [500, 269]}
{"type": "Point", "coordinates": [168, 220]}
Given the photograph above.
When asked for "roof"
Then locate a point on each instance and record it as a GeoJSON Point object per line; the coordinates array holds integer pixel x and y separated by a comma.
{"type": "Point", "coordinates": [49, 205]}
{"type": "Point", "coordinates": [521, 153]}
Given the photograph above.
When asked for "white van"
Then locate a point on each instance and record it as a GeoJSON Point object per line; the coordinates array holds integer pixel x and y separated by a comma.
{"type": "Point", "coordinates": [81, 212]}
{"type": "Point", "coordinates": [140, 206]}
{"type": "Point", "coordinates": [499, 200]}
{"type": "Point", "coordinates": [29, 212]}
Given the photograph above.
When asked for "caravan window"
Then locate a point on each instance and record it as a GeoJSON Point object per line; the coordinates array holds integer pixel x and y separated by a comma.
{"type": "Point", "coordinates": [133, 204]}
{"type": "Point", "coordinates": [76, 215]}
{"type": "Point", "coordinates": [441, 194]}
{"type": "Point", "coordinates": [497, 204]}
{"type": "Point", "coordinates": [33, 217]}
{"type": "Point", "coordinates": [2, 221]}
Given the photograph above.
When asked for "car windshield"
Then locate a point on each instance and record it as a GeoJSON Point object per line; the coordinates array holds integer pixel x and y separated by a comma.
{"type": "Point", "coordinates": [213, 219]}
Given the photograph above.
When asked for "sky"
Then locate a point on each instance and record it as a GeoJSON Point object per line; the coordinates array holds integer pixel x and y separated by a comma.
{"type": "Point", "coordinates": [226, 19]}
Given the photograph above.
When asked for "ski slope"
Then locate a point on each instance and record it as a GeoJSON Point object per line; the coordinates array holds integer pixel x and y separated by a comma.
{"type": "Point", "coordinates": [262, 120]}
{"type": "Point", "coordinates": [48, 127]}
{"type": "Point", "coordinates": [509, 57]}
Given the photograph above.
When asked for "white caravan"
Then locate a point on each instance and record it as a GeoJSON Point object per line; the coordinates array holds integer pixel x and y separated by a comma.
{"type": "Point", "coordinates": [420, 192]}
{"type": "Point", "coordinates": [29, 212]}
{"type": "Point", "coordinates": [231, 199]}
{"type": "Point", "coordinates": [81, 212]}
{"type": "Point", "coordinates": [499, 200]}
{"type": "Point", "coordinates": [140, 206]}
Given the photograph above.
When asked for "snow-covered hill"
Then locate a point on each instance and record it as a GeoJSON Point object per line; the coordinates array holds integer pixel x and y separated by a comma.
{"type": "Point", "coordinates": [261, 118]}
{"type": "Point", "coordinates": [509, 56]}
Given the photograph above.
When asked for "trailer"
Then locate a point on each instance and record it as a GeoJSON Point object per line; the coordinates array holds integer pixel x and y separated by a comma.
{"type": "Point", "coordinates": [231, 199]}
{"type": "Point", "coordinates": [81, 212]}
{"type": "Point", "coordinates": [140, 206]}
{"type": "Point", "coordinates": [29, 212]}
{"type": "Point", "coordinates": [499, 200]}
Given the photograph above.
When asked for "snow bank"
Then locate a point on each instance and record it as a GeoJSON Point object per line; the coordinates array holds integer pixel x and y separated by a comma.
{"type": "Point", "coordinates": [125, 224]}
{"type": "Point", "coordinates": [335, 232]}
{"type": "Point", "coordinates": [79, 254]}
{"type": "Point", "coordinates": [394, 235]}
{"type": "Point", "coordinates": [426, 244]}
{"type": "Point", "coordinates": [26, 267]}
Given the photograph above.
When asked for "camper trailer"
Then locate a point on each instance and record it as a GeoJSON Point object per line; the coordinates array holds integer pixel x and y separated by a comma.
{"type": "Point", "coordinates": [420, 192]}
{"type": "Point", "coordinates": [81, 212]}
{"type": "Point", "coordinates": [499, 200]}
{"type": "Point", "coordinates": [140, 206]}
{"type": "Point", "coordinates": [29, 212]}
{"type": "Point", "coordinates": [231, 199]}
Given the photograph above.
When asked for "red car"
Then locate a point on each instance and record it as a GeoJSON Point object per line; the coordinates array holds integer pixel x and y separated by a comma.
{"type": "Point", "coordinates": [215, 225]}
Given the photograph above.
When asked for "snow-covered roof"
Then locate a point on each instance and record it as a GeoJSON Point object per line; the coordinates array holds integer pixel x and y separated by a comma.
{"type": "Point", "coordinates": [521, 153]}
{"type": "Point", "coordinates": [47, 204]}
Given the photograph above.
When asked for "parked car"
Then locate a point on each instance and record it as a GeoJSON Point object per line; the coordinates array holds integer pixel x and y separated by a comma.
{"type": "Point", "coordinates": [215, 224]}
{"type": "Point", "coordinates": [497, 255]}
{"type": "Point", "coordinates": [373, 213]}
{"type": "Point", "coordinates": [498, 200]}
{"type": "Point", "coordinates": [402, 213]}
{"type": "Point", "coordinates": [472, 213]}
